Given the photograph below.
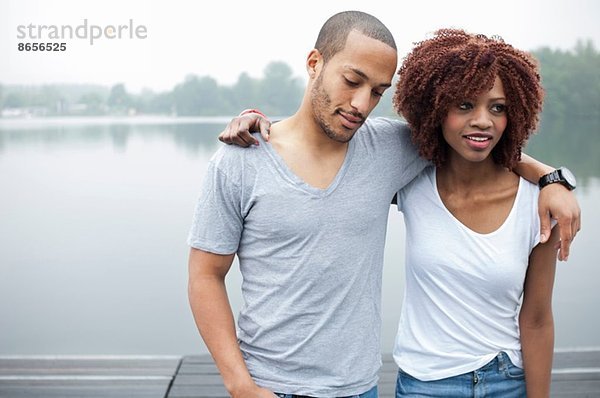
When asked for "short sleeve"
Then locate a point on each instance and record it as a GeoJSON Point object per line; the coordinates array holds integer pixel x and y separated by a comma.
{"type": "Point", "coordinates": [217, 223]}
{"type": "Point", "coordinates": [395, 138]}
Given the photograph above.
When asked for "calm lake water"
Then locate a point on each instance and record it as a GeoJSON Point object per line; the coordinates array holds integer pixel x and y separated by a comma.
{"type": "Point", "coordinates": [94, 215]}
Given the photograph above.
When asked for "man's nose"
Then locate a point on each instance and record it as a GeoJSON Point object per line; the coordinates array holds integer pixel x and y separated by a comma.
{"type": "Point", "coordinates": [361, 102]}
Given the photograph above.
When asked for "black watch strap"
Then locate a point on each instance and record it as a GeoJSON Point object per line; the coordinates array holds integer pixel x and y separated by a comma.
{"type": "Point", "coordinates": [561, 175]}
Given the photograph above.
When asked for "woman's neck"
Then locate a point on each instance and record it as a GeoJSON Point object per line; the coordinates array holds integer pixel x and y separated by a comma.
{"type": "Point", "coordinates": [461, 175]}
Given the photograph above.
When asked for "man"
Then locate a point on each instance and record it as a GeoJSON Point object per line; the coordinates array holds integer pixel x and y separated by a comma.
{"type": "Point", "coordinates": [307, 217]}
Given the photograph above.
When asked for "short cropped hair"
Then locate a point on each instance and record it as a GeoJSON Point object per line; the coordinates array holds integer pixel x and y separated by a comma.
{"type": "Point", "coordinates": [454, 66]}
{"type": "Point", "coordinates": [333, 34]}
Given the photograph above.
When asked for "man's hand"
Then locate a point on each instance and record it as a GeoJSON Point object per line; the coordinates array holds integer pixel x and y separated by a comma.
{"type": "Point", "coordinates": [559, 203]}
{"type": "Point", "coordinates": [238, 130]}
{"type": "Point", "coordinates": [252, 391]}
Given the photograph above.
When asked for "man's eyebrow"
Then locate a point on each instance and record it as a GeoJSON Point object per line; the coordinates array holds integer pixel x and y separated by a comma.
{"type": "Point", "coordinates": [364, 75]}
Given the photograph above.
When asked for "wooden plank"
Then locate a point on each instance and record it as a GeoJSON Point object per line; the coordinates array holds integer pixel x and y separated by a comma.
{"type": "Point", "coordinates": [87, 389]}
{"type": "Point", "coordinates": [97, 376]}
{"type": "Point", "coordinates": [580, 386]}
{"type": "Point", "coordinates": [198, 379]}
{"type": "Point", "coordinates": [576, 359]}
{"type": "Point", "coordinates": [142, 366]}
{"type": "Point", "coordinates": [197, 391]}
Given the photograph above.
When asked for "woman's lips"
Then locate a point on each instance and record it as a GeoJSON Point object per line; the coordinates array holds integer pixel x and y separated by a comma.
{"type": "Point", "coordinates": [478, 141]}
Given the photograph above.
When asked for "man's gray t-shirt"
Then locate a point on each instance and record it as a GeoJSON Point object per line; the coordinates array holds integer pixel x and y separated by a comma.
{"type": "Point", "coordinates": [311, 259]}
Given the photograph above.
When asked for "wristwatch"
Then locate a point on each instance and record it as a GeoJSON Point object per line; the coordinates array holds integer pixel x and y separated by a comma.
{"type": "Point", "coordinates": [561, 175]}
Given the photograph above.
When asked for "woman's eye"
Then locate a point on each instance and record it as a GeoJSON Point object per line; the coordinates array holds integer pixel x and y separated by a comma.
{"type": "Point", "coordinates": [464, 106]}
{"type": "Point", "coordinates": [498, 108]}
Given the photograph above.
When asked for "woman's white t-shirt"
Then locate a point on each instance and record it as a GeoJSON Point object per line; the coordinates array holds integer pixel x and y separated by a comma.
{"type": "Point", "coordinates": [463, 288]}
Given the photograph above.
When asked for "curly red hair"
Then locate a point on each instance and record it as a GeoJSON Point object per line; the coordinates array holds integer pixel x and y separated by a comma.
{"type": "Point", "coordinates": [454, 66]}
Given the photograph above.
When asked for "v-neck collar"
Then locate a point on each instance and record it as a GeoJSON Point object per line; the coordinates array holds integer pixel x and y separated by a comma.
{"type": "Point", "coordinates": [298, 182]}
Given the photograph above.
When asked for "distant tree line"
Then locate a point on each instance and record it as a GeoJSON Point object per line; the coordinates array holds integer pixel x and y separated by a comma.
{"type": "Point", "coordinates": [571, 79]}
{"type": "Point", "coordinates": [278, 92]}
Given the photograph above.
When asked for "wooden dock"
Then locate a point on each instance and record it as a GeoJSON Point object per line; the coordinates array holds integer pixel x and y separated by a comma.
{"type": "Point", "coordinates": [576, 374]}
{"type": "Point", "coordinates": [87, 376]}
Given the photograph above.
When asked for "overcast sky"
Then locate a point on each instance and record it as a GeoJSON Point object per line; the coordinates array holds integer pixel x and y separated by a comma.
{"type": "Point", "coordinates": [224, 38]}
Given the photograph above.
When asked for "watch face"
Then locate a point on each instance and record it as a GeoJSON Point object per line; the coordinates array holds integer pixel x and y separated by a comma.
{"type": "Point", "coordinates": [568, 176]}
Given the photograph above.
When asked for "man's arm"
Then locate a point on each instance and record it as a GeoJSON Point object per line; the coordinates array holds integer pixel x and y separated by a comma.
{"type": "Point", "coordinates": [556, 202]}
{"type": "Point", "coordinates": [536, 323]}
{"type": "Point", "coordinates": [214, 318]}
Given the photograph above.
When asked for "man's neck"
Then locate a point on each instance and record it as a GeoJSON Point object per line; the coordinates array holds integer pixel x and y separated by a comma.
{"type": "Point", "coordinates": [308, 151]}
{"type": "Point", "coordinates": [302, 131]}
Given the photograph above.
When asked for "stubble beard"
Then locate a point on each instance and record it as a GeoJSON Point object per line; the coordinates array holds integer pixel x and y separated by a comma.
{"type": "Point", "coordinates": [321, 103]}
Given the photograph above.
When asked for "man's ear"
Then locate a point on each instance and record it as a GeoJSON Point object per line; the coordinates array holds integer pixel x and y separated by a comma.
{"type": "Point", "coordinates": [314, 63]}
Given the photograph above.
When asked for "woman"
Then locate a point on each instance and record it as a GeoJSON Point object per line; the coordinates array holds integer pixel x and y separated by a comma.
{"type": "Point", "coordinates": [477, 317]}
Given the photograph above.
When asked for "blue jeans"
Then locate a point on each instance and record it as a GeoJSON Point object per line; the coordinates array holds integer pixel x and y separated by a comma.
{"type": "Point", "coordinates": [372, 393]}
{"type": "Point", "coordinates": [498, 379]}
